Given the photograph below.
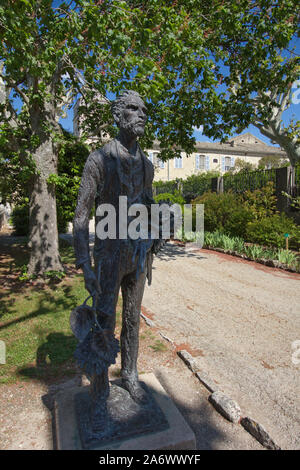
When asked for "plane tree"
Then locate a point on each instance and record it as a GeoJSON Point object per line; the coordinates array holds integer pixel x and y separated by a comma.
{"type": "Point", "coordinates": [173, 53]}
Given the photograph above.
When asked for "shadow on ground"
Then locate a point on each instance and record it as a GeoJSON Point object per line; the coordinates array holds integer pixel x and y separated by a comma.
{"type": "Point", "coordinates": [172, 251]}
{"type": "Point", "coordinates": [58, 350]}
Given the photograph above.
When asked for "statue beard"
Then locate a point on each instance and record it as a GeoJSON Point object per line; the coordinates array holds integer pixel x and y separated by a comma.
{"type": "Point", "coordinates": [133, 128]}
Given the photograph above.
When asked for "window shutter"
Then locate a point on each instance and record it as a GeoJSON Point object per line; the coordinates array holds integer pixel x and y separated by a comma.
{"type": "Point", "coordinates": [197, 162]}
{"type": "Point", "coordinates": [178, 162]}
{"type": "Point", "coordinates": [207, 162]}
{"type": "Point", "coordinates": [223, 164]}
{"type": "Point", "coordinates": [232, 162]}
{"type": "Point", "coordinates": [151, 157]}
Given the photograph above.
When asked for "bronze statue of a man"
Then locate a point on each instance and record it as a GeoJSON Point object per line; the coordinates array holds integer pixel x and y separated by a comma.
{"type": "Point", "coordinates": [120, 168]}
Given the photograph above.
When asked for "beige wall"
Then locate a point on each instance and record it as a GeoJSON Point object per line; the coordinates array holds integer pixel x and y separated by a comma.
{"type": "Point", "coordinates": [246, 147]}
{"type": "Point", "coordinates": [170, 172]}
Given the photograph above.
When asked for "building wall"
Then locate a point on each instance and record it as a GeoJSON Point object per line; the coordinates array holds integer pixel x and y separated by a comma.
{"type": "Point", "coordinates": [215, 156]}
{"type": "Point", "coordinates": [208, 162]}
{"type": "Point", "coordinates": [209, 156]}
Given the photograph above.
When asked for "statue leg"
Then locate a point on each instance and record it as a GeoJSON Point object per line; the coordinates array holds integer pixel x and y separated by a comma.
{"type": "Point", "coordinates": [132, 292]}
{"type": "Point", "coordinates": [106, 313]}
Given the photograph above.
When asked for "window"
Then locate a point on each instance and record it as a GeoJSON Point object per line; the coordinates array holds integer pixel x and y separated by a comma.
{"type": "Point", "coordinates": [200, 162]}
{"type": "Point", "coordinates": [161, 164]}
{"type": "Point", "coordinates": [227, 163]}
{"type": "Point", "coordinates": [178, 162]}
{"type": "Point", "coordinates": [215, 160]}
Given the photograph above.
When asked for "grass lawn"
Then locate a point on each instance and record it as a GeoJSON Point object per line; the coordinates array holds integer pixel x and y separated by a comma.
{"type": "Point", "coordinates": [34, 320]}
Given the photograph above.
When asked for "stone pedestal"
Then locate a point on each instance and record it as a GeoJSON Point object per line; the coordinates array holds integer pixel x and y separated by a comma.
{"type": "Point", "coordinates": [128, 426]}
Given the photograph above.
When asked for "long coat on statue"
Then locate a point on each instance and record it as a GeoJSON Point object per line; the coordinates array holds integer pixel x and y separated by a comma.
{"type": "Point", "coordinates": [109, 173]}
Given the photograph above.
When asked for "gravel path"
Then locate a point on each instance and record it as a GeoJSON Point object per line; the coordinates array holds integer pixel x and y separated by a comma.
{"type": "Point", "coordinates": [237, 317]}
{"type": "Point", "coordinates": [240, 319]}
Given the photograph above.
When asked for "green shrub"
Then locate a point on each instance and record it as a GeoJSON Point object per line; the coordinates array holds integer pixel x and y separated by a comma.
{"type": "Point", "coordinates": [20, 220]}
{"type": "Point", "coordinates": [225, 212]}
{"type": "Point", "coordinates": [175, 198]}
{"type": "Point", "coordinates": [62, 223]}
{"type": "Point", "coordinates": [217, 208]}
{"type": "Point", "coordinates": [251, 216]}
{"type": "Point", "coordinates": [195, 185]}
{"type": "Point", "coordinates": [270, 231]}
{"type": "Point", "coordinates": [261, 202]}
{"type": "Point", "coordinates": [72, 156]}
{"type": "Point", "coordinates": [294, 201]}
{"type": "Point", "coordinates": [166, 186]}
{"type": "Point", "coordinates": [237, 221]}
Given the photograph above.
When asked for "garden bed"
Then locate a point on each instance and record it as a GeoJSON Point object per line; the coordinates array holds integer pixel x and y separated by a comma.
{"type": "Point", "coordinates": [267, 262]}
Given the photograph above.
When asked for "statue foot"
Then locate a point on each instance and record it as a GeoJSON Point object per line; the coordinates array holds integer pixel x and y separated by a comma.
{"type": "Point", "coordinates": [137, 393]}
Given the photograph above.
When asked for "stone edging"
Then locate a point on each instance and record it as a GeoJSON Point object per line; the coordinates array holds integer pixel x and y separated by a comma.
{"type": "Point", "coordinates": [225, 405]}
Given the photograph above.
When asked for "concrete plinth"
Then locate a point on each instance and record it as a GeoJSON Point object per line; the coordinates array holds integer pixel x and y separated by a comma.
{"type": "Point", "coordinates": [177, 435]}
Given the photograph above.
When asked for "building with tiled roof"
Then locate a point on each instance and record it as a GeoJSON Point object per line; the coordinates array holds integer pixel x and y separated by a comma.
{"type": "Point", "coordinates": [213, 156]}
{"type": "Point", "coordinates": [207, 156]}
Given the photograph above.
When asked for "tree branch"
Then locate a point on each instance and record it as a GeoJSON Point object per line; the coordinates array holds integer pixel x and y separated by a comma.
{"type": "Point", "coordinates": [18, 90]}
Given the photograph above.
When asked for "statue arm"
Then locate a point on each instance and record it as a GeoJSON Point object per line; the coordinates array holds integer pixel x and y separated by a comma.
{"type": "Point", "coordinates": [148, 183]}
{"type": "Point", "coordinates": [90, 181]}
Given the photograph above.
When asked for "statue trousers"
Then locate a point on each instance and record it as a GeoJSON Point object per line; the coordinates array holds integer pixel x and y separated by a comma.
{"type": "Point", "coordinates": [121, 271]}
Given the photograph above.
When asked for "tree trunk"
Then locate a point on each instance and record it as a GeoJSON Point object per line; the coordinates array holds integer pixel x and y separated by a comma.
{"type": "Point", "coordinates": [43, 234]}
{"type": "Point", "coordinates": [288, 144]}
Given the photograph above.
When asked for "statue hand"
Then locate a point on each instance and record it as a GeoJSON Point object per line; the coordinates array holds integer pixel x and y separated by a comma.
{"type": "Point", "coordinates": [91, 282]}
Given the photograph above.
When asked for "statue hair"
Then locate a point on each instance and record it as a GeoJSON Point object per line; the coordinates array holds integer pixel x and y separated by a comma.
{"type": "Point", "coordinates": [119, 103]}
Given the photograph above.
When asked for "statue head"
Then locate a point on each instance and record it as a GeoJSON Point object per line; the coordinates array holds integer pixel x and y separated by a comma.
{"type": "Point", "coordinates": [130, 113]}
